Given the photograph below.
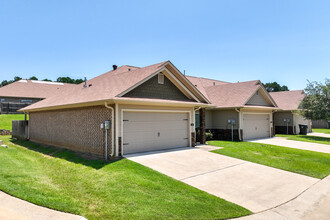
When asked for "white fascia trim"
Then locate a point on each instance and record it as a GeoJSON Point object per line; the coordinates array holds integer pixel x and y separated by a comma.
{"type": "Point", "coordinates": [192, 86]}
{"type": "Point", "coordinates": [182, 86]}
{"type": "Point", "coordinates": [151, 110]}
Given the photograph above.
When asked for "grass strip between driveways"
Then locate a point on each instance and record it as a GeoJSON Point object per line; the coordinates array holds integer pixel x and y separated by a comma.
{"type": "Point", "coordinates": [304, 162]}
{"type": "Point", "coordinates": [306, 138]}
{"type": "Point", "coordinates": [61, 180]}
{"type": "Point", "coordinates": [6, 120]}
{"type": "Point", "coordinates": [322, 130]}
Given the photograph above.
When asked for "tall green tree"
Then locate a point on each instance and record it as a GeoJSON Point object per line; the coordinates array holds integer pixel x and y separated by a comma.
{"type": "Point", "coordinates": [316, 104]}
{"type": "Point", "coordinates": [69, 80]}
{"type": "Point", "coordinates": [17, 78]}
{"type": "Point", "coordinates": [275, 87]}
{"type": "Point", "coordinates": [33, 78]}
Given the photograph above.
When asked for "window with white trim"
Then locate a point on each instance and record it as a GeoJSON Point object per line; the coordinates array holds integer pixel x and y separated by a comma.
{"type": "Point", "coordinates": [161, 78]}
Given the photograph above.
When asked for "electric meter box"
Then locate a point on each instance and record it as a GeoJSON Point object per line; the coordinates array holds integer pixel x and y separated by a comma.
{"type": "Point", "coordinates": [107, 125]}
{"type": "Point", "coordinates": [231, 121]}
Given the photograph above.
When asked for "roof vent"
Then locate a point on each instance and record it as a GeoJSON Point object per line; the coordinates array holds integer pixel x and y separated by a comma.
{"type": "Point", "coordinates": [114, 67]}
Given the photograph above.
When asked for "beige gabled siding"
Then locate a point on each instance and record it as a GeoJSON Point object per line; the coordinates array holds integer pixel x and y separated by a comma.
{"type": "Point", "coordinates": [259, 99]}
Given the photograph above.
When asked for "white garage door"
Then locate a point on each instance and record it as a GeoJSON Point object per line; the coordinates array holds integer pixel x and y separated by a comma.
{"type": "Point", "coordinates": [149, 131]}
{"type": "Point", "coordinates": [255, 126]}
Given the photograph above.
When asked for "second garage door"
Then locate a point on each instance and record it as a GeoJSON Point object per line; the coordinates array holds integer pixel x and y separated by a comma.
{"type": "Point", "coordinates": [255, 126]}
{"type": "Point", "coordinates": [150, 131]}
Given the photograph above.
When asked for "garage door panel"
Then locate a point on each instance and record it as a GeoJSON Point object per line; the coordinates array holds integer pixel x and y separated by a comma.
{"type": "Point", "coordinates": [255, 126]}
{"type": "Point", "coordinates": [149, 131]}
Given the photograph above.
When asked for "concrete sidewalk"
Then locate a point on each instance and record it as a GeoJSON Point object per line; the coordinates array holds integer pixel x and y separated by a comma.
{"type": "Point", "coordinates": [312, 204]}
{"type": "Point", "coordinates": [12, 208]}
{"type": "Point", "coordinates": [282, 141]}
{"type": "Point", "coordinates": [319, 134]}
{"type": "Point", "coordinates": [253, 186]}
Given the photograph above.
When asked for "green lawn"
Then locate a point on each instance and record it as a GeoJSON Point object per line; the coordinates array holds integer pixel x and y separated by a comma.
{"type": "Point", "coordinates": [5, 120]}
{"type": "Point", "coordinates": [61, 180]}
{"type": "Point", "coordinates": [306, 138]}
{"type": "Point", "coordinates": [308, 163]}
{"type": "Point", "coordinates": [321, 130]}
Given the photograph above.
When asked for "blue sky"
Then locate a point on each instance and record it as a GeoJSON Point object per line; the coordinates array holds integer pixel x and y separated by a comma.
{"type": "Point", "coordinates": [233, 40]}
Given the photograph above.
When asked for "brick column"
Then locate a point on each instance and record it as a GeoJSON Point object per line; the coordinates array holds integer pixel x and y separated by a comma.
{"type": "Point", "coordinates": [202, 125]}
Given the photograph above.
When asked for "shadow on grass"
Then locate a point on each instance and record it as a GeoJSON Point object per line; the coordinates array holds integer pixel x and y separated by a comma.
{"type": "Point", "coordinates": [314, 138]}
{"type": "Point", "coordinates": [61, 153]}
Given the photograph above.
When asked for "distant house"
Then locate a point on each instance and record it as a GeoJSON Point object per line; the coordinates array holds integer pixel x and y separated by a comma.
{"type": "Point", "coordinates": [25, 92]}
{"type": "Point", "coordinates": [287, 119]}
{"type": "Point", "coordinates": [126, 110]}
{"type": "Point", "coordinates": [246, 104]}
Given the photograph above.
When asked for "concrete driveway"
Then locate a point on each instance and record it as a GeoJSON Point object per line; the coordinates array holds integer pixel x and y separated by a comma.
{"type": "Point", "coordinates": [319, 134]}
{"type": "Point", "coordinates": [253, 186]}
{"type": "Point", "coordinates": [282, 141]}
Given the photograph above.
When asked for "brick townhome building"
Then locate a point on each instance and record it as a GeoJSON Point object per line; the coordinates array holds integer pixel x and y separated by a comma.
{"type": "Point", "coordinates": [149, 108]}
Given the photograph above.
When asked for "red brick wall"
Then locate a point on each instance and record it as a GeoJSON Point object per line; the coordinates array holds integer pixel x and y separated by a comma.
{"type": "Point", "coordinates": [75, 129]}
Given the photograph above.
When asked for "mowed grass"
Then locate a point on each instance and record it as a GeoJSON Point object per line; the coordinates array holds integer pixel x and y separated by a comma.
{"type": "Point", "coordinates": [304, 162]}
{"type": "Point", "coordinates": [321, 130]}
{"type": "Point", "coordinates": [61, 180]}
{"type": "Point", "coordinates": [5, 120]}
{"type": "Point", "coordinates": [306, 138]}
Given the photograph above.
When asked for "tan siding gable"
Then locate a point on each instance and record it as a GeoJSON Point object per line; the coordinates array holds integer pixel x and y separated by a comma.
{"type": "Point", "coordinates": [259, 98]}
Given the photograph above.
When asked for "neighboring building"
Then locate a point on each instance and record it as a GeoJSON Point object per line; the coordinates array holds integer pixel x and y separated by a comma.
{"type": "Point", "coordinates": [248, 104]}
{"type": "Point", "coordinates": [25, 92]}
{"type": "Point", "coordinates": [145, 109]}
{"type": "Point", "coordinates": [287, 119]}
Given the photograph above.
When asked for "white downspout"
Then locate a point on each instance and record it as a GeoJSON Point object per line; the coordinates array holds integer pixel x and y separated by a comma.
{"type": "Point", "coordinates": [112, 132]}
{"type": "Point", "coordinates": [239, 123]}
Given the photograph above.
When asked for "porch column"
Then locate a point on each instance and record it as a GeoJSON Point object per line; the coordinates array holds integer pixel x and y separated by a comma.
{"type": "Point", "coordinates": [202, 125]}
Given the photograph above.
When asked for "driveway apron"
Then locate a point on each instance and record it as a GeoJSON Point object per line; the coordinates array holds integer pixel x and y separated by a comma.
{"type": "Point", "coordinates": [253, 186]}
{"type": "Point", "coordinates": [280, 141]}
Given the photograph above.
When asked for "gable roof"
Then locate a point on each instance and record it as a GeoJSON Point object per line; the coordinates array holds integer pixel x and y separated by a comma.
{"type": "Point", "coordinates": [108, 86]}
{"type": "Point", "coordinates": [232, 94]}
{"type": "Point", "coordinates": [288, 100]}
{"type": "Point", "coordinates": [201, 83]}
{"type": "Point", "coordinates": [33, 89]}
{"type": "Point", "coordinates": [229, 95]}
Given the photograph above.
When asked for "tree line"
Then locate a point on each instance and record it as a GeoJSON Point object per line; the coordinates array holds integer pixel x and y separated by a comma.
{"type": "Point", "coordinates": [59, 79]}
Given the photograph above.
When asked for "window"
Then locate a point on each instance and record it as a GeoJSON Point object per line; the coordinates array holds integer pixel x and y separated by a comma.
{"type": "Point", "coordinates": [2, 100]}
{"type": "Point", "coordinates": [26, 100]}
{"type": "Point", "coordinates": [160, 78]}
